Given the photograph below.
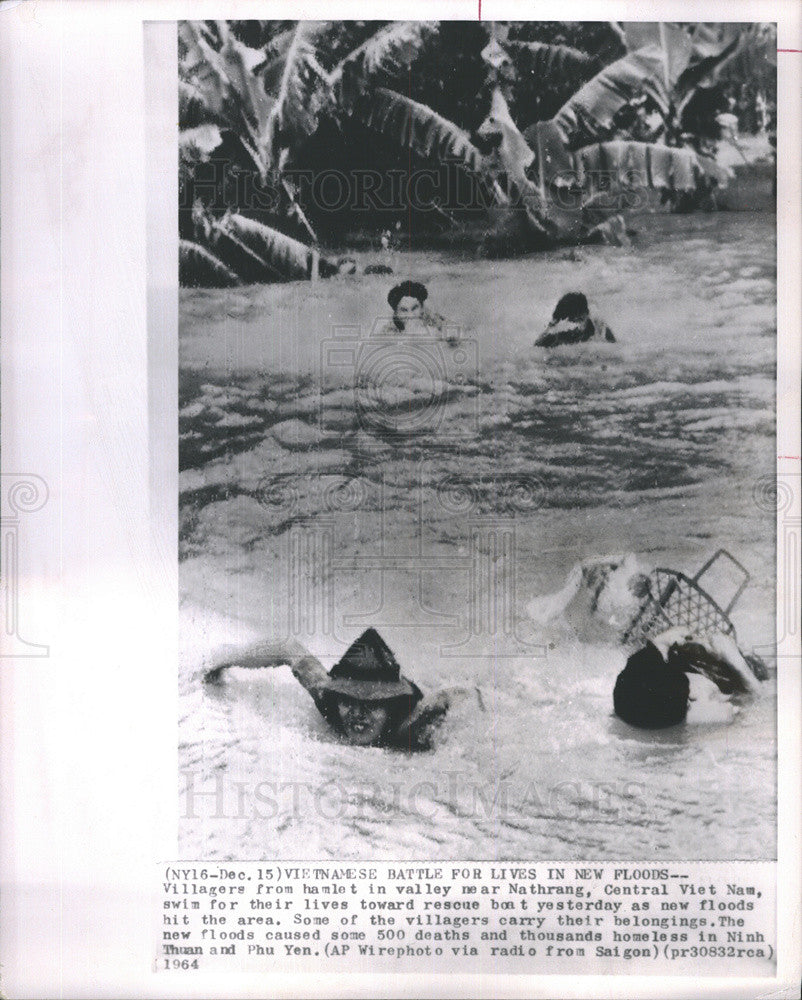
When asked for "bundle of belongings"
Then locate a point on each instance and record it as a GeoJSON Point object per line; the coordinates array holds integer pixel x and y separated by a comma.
{"type": "Point", "coordinates": [686, 658]}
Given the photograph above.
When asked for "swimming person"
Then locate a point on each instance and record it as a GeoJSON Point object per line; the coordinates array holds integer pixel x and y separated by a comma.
{"type": "Point", "coordinates": [572, 323]}
{"type": "Point", "coordinates": [685, 672]}
{"type": "Point", "coordinates": [682, 677]}
{"type": "Point", "coordinates": [614, 591]}
{"type": "Point", "coordinates": [407, 302]}
{"type": "Point", "coordinates": [364, 697]}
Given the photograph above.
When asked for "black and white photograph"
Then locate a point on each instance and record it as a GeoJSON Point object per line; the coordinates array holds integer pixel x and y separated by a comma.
{"type": "Point", "coordinates": [400, 499]}
{"type": "Point", "coordinates": [477, 401]}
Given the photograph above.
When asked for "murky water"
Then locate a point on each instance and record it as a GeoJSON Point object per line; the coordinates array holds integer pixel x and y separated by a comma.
{"type": "Point", "coordinates": [334, 478]}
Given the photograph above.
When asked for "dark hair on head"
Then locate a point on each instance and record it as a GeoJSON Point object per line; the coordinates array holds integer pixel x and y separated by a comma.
{"type": "Point", "coordinates": [413, 289]}
{"type": "Point", "coordinates": [649, 693]}
{"type": "Point", "coordinates": [572, 306]}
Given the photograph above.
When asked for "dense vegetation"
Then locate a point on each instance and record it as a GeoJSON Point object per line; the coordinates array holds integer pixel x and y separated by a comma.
{"type": "Point", "coordinates": [298, 136]}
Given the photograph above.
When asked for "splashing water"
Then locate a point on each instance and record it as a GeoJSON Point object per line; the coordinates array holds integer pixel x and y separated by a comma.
{"type": "Point", "coordinates": [433, 489]}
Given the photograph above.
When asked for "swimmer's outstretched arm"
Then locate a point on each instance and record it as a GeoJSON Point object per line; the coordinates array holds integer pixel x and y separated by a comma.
{"type": "Point", "coordinates": [308, 670]}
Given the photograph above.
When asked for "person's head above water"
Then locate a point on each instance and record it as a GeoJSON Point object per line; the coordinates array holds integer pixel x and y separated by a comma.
{"type": "Point", "coordinates": [406, 300]}
{"type": "Point", "coordinates": [366, 694]}
{"type": "Point", "coordinates": [365, 723]}
{"type": "Point", "coordinates": [572, 306]}
{"type": "Point", "coordinates": [571, 323]}
{"type": "Point", "coordinates": [651, 693]}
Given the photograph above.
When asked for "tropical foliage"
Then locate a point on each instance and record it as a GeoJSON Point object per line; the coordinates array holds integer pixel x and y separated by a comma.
{"type": "Point", "coordinates": [547, 129]}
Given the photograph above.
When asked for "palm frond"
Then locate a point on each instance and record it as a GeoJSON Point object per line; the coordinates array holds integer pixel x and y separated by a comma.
{"type": "Point", "coordinates": [195, 144]}
{"type": "Point", "coordinates": [554, 161]}
{"type": "Point", "coordinates": [299, 94]}
{"type": "Point", "coordinates": [623, 164]}
{"type": "Point", "coordinates": [511, 154]}
{"type": "Point", "coordinates": [672, 39]}
{"type": "Point", "coordinates": [711, 59]}
{"type": "Point", "coordinates": [710, 39]}
{"type": "Point", "coordinates": [201, 67]}
{"type": "Point", "coordinates": [270, 97]}
{"type": "Point", "coordinates": [275, 58]}
{"type": "Point", "coordinates": [391, 49]}
{"type": "Point", "coordinates": [618, 31]}
{"type": "Point", "coordinates": [221, 83]}
{"type": "Point", "coordinates": [193, 107]}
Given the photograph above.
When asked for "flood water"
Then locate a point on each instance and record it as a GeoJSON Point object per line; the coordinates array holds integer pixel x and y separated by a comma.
{"type": "Point", "coordinates": [334, 478]}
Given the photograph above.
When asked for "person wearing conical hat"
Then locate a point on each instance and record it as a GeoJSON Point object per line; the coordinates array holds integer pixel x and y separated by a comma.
{"type": "Point", "coordinates": [364, 697]}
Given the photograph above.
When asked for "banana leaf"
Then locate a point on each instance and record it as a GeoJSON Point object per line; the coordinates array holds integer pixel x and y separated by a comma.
{"type": "Point", "coordinates": [264, 254]}
{"type": "Point", "coordinates": [300, 95]}
{"type": "Point", "coordinates": [242, 66]}
{"type": "Point", "coordinates": [550, 61]}
{"type": "Point", "coordinates": [271, 97]}
{"type": "Point", "coordinates": [199, 267]}
{"type": "Point", "coordinates": [758, 47]}
{"type": "Point", "coordinates": [673, 40]}
{"type": "Point", "coordinates": [193, 109]}
{"type": "Point", "coordinates": [704, 70]}
{"type": "Point", "coordinates": [412, 124]}
{"type": "Point", "coordinates": [224, 82]}
{"type": "Point", "coordinates": [390, 50]}
{"type": "Point", "coordinates": [710, 39]}
{"type": "Point", "coordinates": [201, 67]}
{"type": "Point", "coordinates": [555, 163]}
{"type": "Point", "coordinates": [195, 144]}
{"type": "Point", "coordinates": [275, 53]}
{"type": "Point", "coordinates": [632, 165]}
{"type": "Point", "coordinates": [497, 57]}
{"type": "Point", "coordinates": [595, 104]}
{"type": "Point", "coordinates": [511, 155]}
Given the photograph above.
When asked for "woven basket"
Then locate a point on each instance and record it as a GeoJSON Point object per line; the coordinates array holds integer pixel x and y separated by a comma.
{"type": "Point", "coordinates": [675, 599]}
